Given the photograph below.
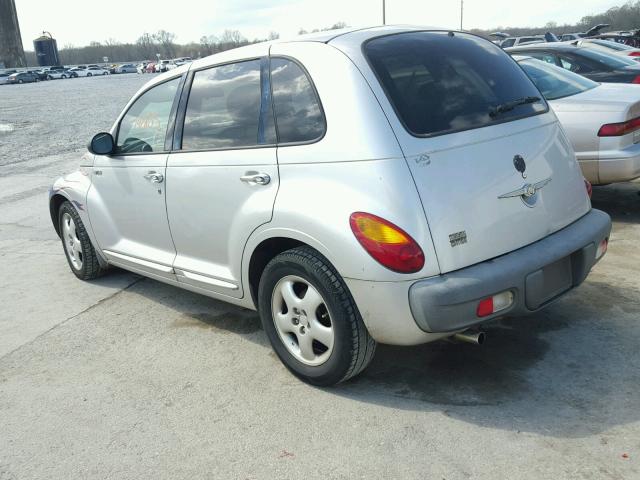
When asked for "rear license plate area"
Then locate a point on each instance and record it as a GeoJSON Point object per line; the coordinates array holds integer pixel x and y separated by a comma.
{"type": "Point", "coordinates": [547, 283]}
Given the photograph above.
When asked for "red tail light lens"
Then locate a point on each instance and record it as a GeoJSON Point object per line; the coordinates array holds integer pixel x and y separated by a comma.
{"type": "Point", "coordinates": [387, 243]}
{"type": "Point", "coordinates": [634, 54]}
{"type": "Point", "coordinates": [636, 80]}
{"type": "Point", "coordinates": [619, 129]}
{"type": "Point", "coordinates": [588, 186]}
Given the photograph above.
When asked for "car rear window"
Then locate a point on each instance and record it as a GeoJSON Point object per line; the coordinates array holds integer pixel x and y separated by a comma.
{"type": "Point", "coordinates": [555, 82]}
{"type": "Point", "coordinates": [441, 82]}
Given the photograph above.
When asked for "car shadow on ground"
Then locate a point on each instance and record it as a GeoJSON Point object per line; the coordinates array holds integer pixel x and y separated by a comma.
{"type": "Point", "coordinates": [572, 370]}
{"type": "Point", "coordinates": [620, 200]}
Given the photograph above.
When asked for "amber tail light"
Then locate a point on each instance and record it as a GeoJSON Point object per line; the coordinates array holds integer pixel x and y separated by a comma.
{"type": "Point", "coordinates": [387, 243]}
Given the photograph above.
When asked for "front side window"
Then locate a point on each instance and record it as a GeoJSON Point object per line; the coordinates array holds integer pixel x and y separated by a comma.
{"type": "Point", "coordinates": [554, 82]}
{"type": "Point", "coordinates": [509, 43]}
{"type": "Point", "coordinates": [299, 117]}
{"type": "Point", "coordinates": [605, 60]}
{"type": "Point", "coordinates": [441, 83]}
{"type": "Point", "coordinates": [144, 127]}
{"type": "Point", "coordinates": [224, 107]}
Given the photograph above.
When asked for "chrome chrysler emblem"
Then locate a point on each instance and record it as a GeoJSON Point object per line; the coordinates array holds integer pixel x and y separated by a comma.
{"type": "Point", "coordinates": [528, 192]}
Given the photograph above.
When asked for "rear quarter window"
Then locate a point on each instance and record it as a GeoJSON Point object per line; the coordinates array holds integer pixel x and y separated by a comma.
{"type": "Point", "coordinates": [441, 83]}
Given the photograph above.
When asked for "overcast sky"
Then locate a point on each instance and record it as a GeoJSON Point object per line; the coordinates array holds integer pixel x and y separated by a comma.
{"type": "Point", "coordinates": [78, 22]}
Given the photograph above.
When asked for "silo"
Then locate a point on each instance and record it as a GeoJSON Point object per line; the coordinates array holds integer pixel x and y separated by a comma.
{"type": "Point", "coordinates": [46, 49]}
{"type": "Point", "coordinates": [11, 51]}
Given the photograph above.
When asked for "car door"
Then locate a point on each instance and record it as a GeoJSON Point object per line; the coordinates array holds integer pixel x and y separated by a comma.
{"type": "Point", "coordinates": [126, 201]}
{"type": "Point", "coordinates": [223, 178]}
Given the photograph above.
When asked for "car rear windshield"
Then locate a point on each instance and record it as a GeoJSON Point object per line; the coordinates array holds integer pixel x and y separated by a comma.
{"type": "Point", "coordinates": [441, 82]}
{"type": "Point", "coordinates": [555, 82]}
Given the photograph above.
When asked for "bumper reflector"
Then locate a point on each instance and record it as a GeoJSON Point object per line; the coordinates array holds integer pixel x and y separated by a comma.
{"type": "Point", "coordinates": [602, 248]}
{"type": "Point", "coordinates": [494, 304]}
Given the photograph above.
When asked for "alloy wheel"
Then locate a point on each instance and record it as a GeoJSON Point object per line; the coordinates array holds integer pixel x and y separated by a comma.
{"type": "Point", "coordinates": [72, 244]}
{"type": "Point", "coordinates": [302, 320]}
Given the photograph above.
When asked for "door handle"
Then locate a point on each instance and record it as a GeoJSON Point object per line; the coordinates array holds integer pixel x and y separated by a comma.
{"type": "Point", "coordinates": [256, 178]}
{"type": "Point", "coordinates": [154, 177]}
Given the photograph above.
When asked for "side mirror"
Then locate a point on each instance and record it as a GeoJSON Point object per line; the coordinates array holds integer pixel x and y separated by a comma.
{"type": "Point", "coordinates": [102, 144]}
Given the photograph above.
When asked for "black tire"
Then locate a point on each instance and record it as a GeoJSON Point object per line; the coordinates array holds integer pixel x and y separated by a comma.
{"type": "Point", "coordinates": [63, 76]}
{"type": "Point", "coordinates": [353, 347]}
{"type": "Point", "coordinates": [49, 77]}
{"type": "Point", "coordinates": [20, 81]}
{"type": "Point", "coordinates": [91, 267]}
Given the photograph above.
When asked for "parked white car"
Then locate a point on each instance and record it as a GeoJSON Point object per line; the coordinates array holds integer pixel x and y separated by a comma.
{"type": "Point", "coordinates": [602, 121]}
{"type": "Point", "coordinates": [611, 47]}
{"type": "Point", "coordinates": [56, 74]}
{"type": "Point", "coordinates": [4, 78]}
{"type": "Point", "coordinates": [91, 71]}
{"type": "Point", "coordinates": [389, 185]}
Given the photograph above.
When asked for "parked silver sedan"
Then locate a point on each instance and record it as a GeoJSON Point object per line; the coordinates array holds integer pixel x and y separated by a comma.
{"type": "Point", "coordinates": [395, 185]}
{"type": "Point", "coordinates": [601, 120]}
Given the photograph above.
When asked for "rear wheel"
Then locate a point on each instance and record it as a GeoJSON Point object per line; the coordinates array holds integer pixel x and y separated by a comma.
{"type": "Point", "coordinates": [311, 319]}
{"type": "Point", "coordinates": [81, 255]}
{"type": "Point", "coordinates": [20, 81]}
{"type": "Point", "coordinates": [64, 76]}
{"type": "Point", "coordinates": [89, 75]}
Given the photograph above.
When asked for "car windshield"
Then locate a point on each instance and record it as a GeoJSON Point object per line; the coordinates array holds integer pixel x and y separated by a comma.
{"type": "Point", "coordinates": [441, 83]}
{"type": "Point", "coordinates": [555, 82]}
{"type": "Point", "coordinates": [606, 59]}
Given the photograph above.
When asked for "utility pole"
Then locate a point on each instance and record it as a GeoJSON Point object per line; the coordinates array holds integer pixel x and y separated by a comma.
{"type": "Point", "coordinates": [384, 13]}
{"type": "Point", "coordinates": [461, 12]}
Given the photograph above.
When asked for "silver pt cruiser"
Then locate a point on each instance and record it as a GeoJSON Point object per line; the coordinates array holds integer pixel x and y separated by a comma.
{"type": "Point", "coordinates": [393, 185]}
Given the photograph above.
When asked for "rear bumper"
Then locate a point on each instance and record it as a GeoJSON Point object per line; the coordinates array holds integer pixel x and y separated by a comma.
{"type": "Point", "coordinates": [536, 274]}
{"type": "Point", "coordinates": [612, 166]}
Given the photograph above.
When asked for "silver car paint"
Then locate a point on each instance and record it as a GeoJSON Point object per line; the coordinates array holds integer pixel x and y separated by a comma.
{"type": "Point", "coordinates": [603, 159]}
{"type": "Point", "coordinates": [320, 184]}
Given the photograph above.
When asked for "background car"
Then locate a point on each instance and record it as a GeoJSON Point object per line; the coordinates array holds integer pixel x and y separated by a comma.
{"type": "Point", "coordinates": [588, 62]}
{"type": "Point", "coordinates": [515, 41]}
{"type": "Point", "coordinates": [126, 68]}
{"type": "Point", "coordinates": [39, 73]}
{"type": "Point", "coordinates": [55, 74]}
{"type": "Point", "coordinates": [23, 77]}
{"type": "Point", "coordinates": [150, 68]}
{"type": "Point", "coordinates": [4, 78]}
{"type": "Point", "coordinates": [595, 30]}
{"type": "Point", "coordinates": [602, 121]}
{"type": "Point", "coordinates": [141, 68]}
{"type": "Point", "coordinates": [611, 47]}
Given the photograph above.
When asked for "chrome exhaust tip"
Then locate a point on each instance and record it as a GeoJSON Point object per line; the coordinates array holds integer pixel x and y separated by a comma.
{"type": "Point", "coordinates": [476, 338]}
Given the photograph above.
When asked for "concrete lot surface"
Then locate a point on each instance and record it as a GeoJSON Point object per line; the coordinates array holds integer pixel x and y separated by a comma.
{"type": "Point", "coordinates": [129, 378]}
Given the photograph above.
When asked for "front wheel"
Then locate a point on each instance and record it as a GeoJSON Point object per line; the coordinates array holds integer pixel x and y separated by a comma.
{"type": "Point", "coordinates": [311, 319]}
{"type": "Point", "coordinates": [78, 249]}
{"type": "Point", "coordinates": [88, 74]}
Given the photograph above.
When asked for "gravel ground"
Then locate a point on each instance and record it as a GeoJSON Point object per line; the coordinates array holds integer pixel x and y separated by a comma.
{"type": "Point", "coordinates": [129, 378]}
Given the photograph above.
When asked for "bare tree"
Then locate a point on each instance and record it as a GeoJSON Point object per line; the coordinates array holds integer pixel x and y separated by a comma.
{"type": "Point", "coordinates": [166, 40]}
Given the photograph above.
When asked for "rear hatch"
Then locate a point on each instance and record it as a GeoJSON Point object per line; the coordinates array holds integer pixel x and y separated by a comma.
{"type": "Point", "coordinates": [475, 131]}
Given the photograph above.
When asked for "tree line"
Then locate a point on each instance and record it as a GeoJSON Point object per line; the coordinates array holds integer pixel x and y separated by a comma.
{"type": "Point", "coordinates": [624, 17]}
{"type": "Point", "coordinates": [162, 42]}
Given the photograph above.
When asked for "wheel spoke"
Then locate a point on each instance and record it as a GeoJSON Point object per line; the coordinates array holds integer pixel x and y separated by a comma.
{"type": "Point", "coordinates": [322, 334]}
{"type": "Point", "coordinates": [77, 248]}
{"type": "Point", "coordinates": [72, 228]}
{"type": "Point", "coordinates": [306, 348]}
{"type": "Point", "coordinates": [283, 321]}
{"type": "Point", "coordinates": [311, 301]}
{"type": "Point", "coordinates": [289, 295]}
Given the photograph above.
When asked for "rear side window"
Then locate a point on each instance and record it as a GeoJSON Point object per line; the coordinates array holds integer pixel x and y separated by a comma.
{"type": "Point", "coordinates": [440, 83]}
{"type": "Point", "coordinates": [299, 117]}
{"type": "Point", "coordinates": [223, 110]}
{"type": "Point", "coordinates": [144, 127]}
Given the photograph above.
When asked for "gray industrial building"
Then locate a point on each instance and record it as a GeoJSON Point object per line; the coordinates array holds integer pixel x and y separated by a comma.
{"type": "Point", "coordinates": [11, 50]}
